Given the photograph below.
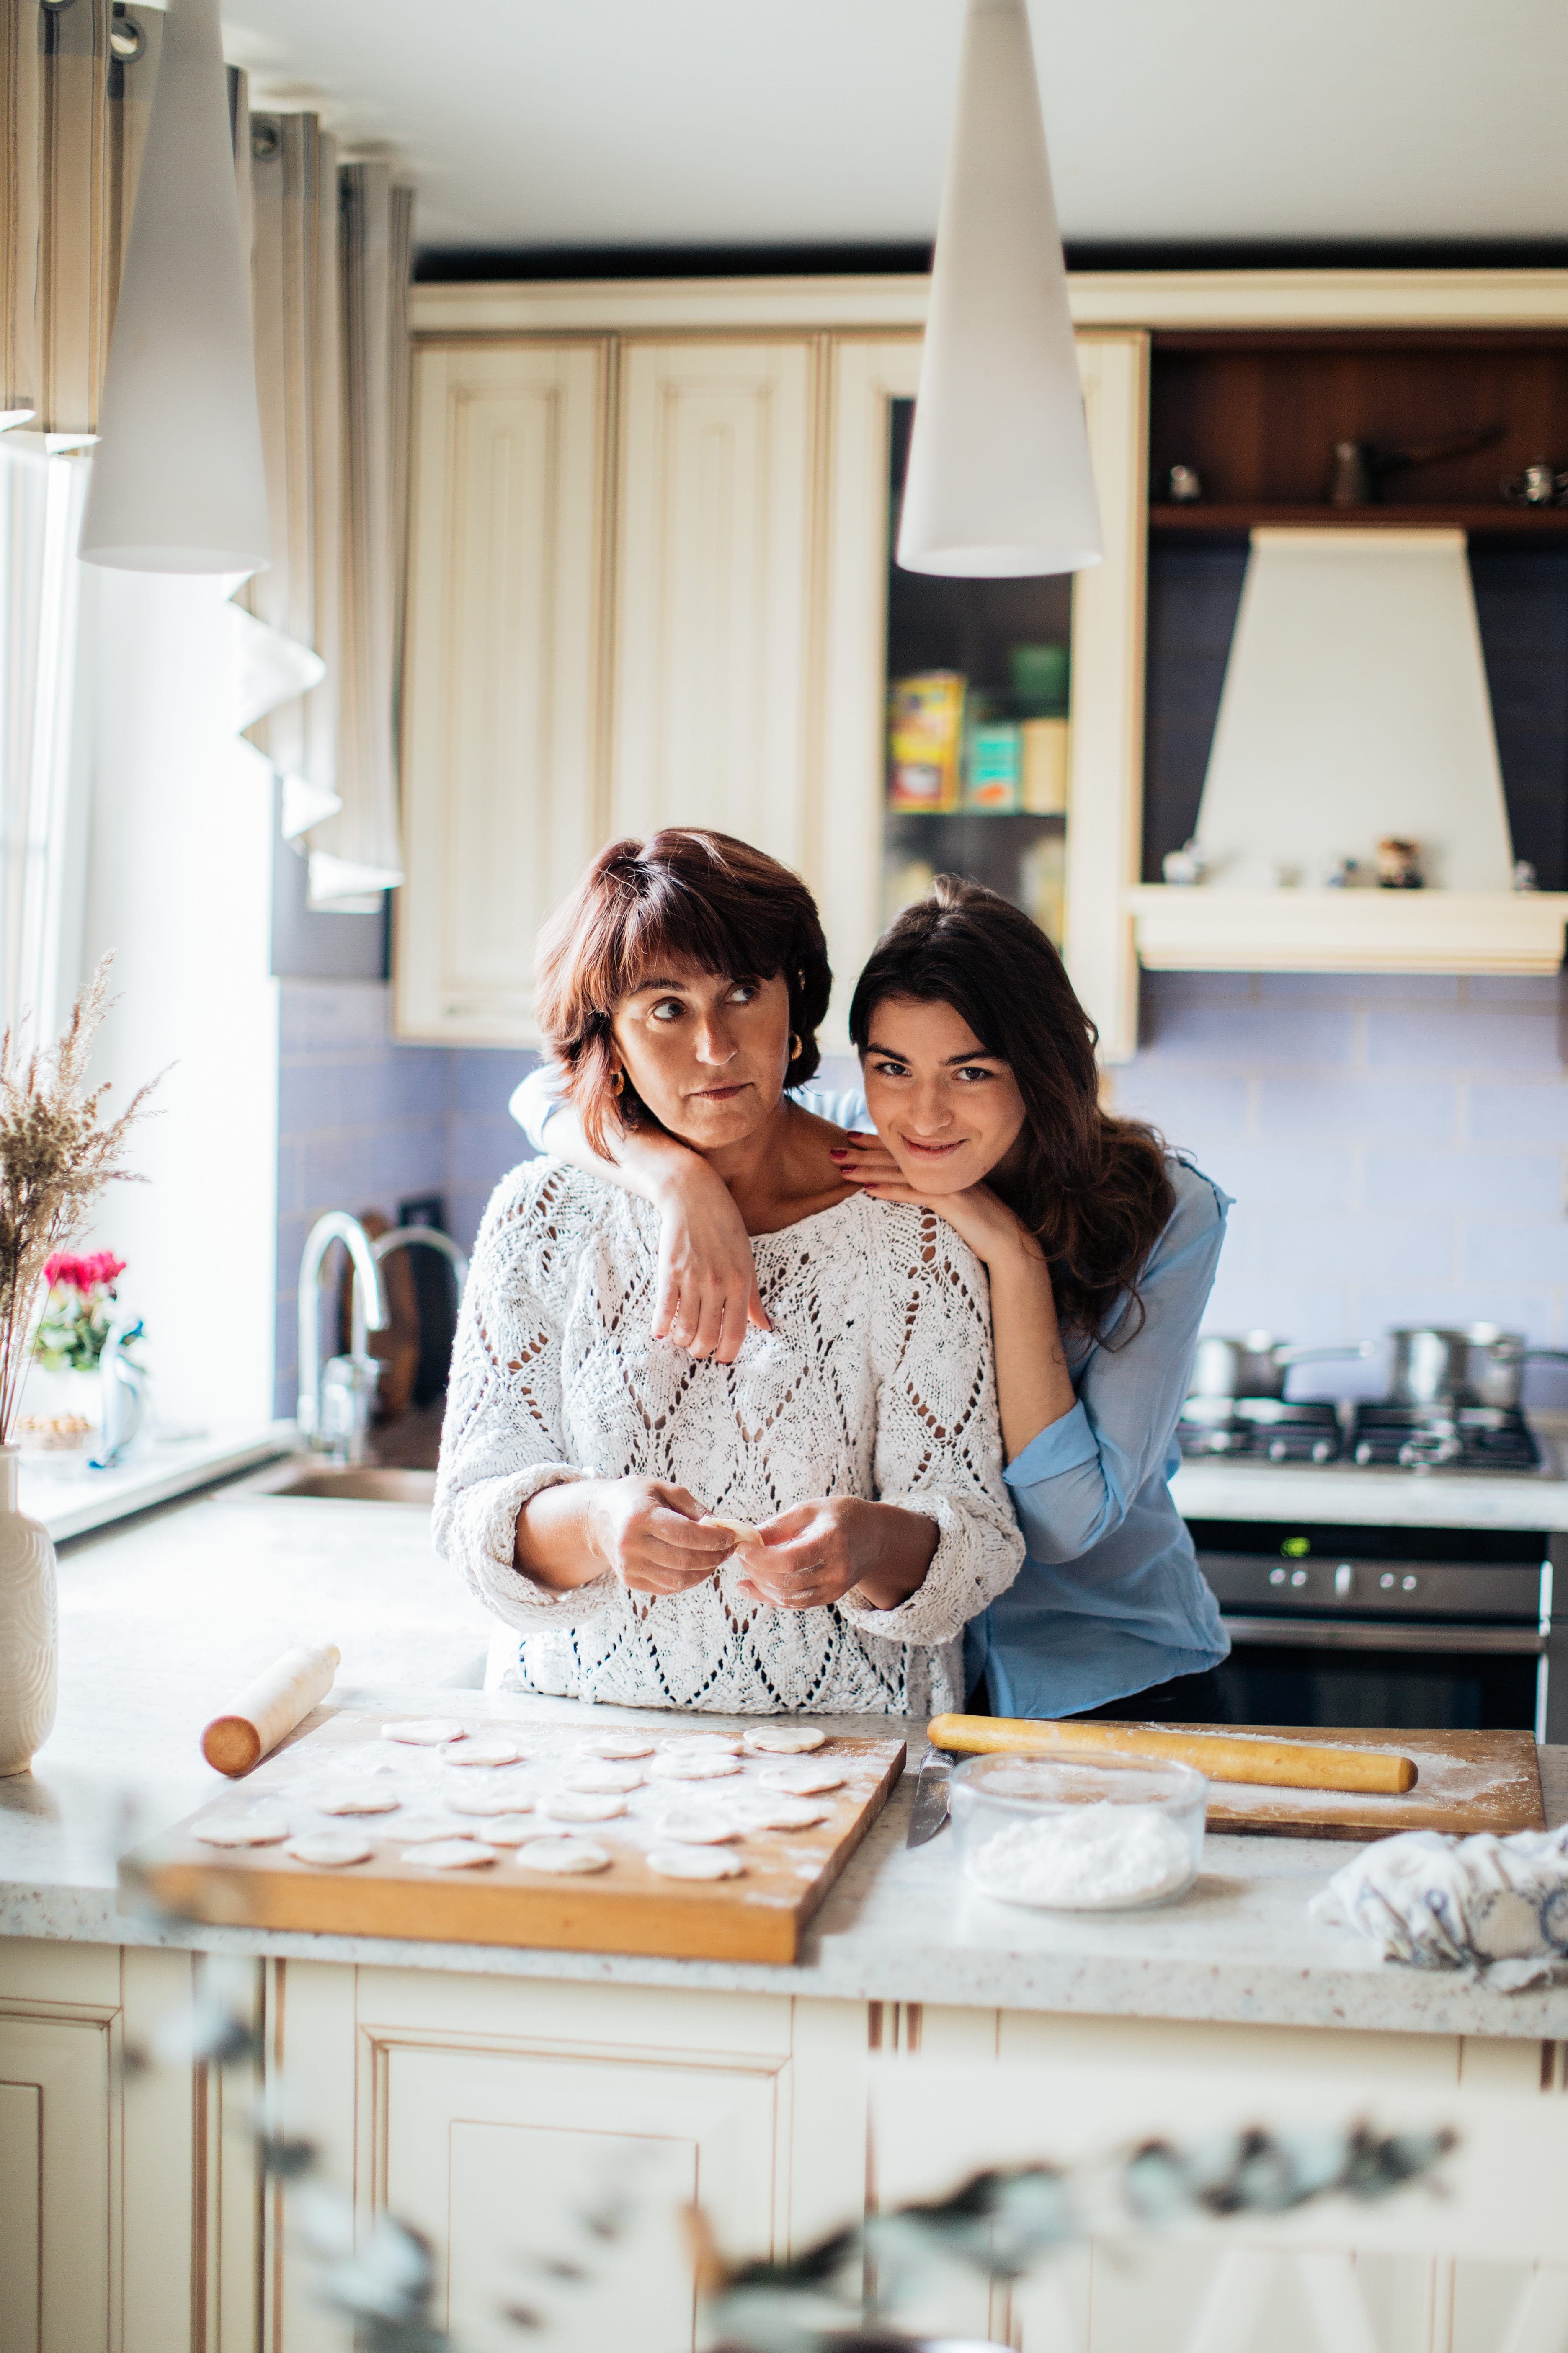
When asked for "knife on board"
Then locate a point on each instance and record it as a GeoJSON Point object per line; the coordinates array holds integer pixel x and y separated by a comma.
{"type": "Point", "coordinates": [928, 1814]}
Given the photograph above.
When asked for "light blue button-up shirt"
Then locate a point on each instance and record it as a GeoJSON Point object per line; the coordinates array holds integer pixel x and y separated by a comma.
{"type": "Point", "coordinates": [1110, 1598]}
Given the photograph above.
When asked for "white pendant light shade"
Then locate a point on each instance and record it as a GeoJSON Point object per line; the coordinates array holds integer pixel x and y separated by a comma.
{"type": "Point", "coordinates": [998, 483]}
{"type": "Point", "coordinates": [177, 479]}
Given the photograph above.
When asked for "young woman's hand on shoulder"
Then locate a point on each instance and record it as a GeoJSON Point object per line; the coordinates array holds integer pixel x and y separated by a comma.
{"type": "Point", "coordinates": [996, 1235]}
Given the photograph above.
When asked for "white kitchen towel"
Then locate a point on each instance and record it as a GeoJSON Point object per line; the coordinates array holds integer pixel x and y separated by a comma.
{"type": "Point", "coordinates": [1494, 1907]}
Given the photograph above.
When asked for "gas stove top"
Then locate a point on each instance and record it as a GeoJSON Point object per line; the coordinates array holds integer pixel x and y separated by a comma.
{"type": "Point", "coordinates": [1444, 1437]}
{"type": "Point", "coordinates": [1391, 1437]}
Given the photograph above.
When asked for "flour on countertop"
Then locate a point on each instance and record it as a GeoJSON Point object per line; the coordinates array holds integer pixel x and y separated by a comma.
{"type": "Point", "coordinates": [1093, 1858]}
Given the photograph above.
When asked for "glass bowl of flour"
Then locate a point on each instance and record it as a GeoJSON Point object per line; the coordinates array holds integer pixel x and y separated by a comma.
{"type": "Point", "coordinates": [1062, 1836]}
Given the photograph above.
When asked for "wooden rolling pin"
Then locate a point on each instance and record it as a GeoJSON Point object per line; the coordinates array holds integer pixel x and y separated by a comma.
{"type": "Point", "coordinates": [269, 1708]}
{"type": "Point", "coordinates": [1223, 1757]}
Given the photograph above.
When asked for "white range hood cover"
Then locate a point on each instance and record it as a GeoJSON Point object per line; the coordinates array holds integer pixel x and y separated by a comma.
{"type": "Point", "coordinates": [1355, 705]}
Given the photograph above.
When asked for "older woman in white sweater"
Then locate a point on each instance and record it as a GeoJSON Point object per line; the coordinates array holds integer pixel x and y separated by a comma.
{"type": "Point", "coordinates": [807, 1528]}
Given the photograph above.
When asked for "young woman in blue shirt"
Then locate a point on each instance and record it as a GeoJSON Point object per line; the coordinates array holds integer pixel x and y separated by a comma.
{"type": "Point", "coordinates": [1100, 1248]}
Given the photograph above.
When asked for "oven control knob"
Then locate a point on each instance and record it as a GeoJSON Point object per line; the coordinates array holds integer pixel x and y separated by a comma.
{"type": "Point", "coordinates": [1386, 1580]}
{"type": "Point", "coordinates": [1408, 1584]}
{"type": "Point", "coordinates": [1297, 1577]}
{"type": "Point", "coordinates": [1276, 1577]}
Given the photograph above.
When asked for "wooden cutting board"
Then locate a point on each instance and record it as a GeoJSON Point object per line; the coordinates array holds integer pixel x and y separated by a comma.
{"type": "Point", "coordinates": [623, 1909]}
{"type": "Point", "coordinates": [1467, 1781]}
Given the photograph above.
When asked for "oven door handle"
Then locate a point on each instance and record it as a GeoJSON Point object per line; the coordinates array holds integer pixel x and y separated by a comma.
{"type": "Point", "coordinates": [1357, 1634]}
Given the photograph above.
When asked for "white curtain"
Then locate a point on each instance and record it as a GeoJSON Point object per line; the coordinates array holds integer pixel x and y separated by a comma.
{"type": "Point", "coordinates": [331, 260]}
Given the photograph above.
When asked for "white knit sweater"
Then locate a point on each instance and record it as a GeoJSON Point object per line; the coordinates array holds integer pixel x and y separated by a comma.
{"type": "Point", "coordinates": [875, 1381]}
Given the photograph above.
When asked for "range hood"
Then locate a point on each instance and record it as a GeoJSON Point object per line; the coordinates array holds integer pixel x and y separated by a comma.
{"type": "Point", "coordinates": [1355, 707]}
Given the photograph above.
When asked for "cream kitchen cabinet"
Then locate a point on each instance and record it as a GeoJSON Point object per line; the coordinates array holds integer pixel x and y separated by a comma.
{"type": "Point", "coordinates": [647, 585]}
{"type": "Point", "coordinates": [503, 702]}
{"type": "Point", "coordinates": [112, 2174]}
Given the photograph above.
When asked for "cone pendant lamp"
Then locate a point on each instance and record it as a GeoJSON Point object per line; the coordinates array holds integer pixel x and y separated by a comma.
{"type": "Point", "coordinates": [998, 482]}
{"type": "Point", "coordinates": [177, 480]}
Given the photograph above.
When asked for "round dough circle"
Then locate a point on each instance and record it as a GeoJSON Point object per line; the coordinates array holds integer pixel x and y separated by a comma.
{"type": "Point", "coordinates": [357, 1802]}
{"type": "Point", "coordinates": [452, 1855]}
{"type": "Point", "coordinates": [691, 1763]}
{"type": "Point", "coordinates": [492, 1798]}
{"type": "Point", "coordinates": [331, 1850]}
{"type": "Point", "coordinates": [784, 1813]}
{"type": "Point", "coordinates": [426, 1731]}
{"type": "Point", "coordinates": [563, 1855]}
{"type": "Point", "coordinates": [581, 1806]}
{"type": "Point", "coordinates": [487, 1748]}
{"type": "Point", "coordinates": [784, 1739]}
{"type": "Point", "coordinates": [603, 1780]}
{"type": "Point", "coordinates": [424, 1829]}
{"type": "Point", "coordinates": [259, 1828]}
{"type": "Point", "coordinates": [699, 1826]}
{"type": "Point", "coordinates": [730, 1743]}
{"type": "Point", "coordinates": [616, 1745]}
{"type": "Point", "coordinates": [693, 1863]}
{"type": "Point", "coordinates": [801, 1780]}
{"type": "Point", "coordinates": [509, 1829]}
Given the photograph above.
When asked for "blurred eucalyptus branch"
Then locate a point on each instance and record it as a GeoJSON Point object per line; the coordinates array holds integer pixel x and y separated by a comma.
{"type": "Point", "coordinates": [842, 2294]}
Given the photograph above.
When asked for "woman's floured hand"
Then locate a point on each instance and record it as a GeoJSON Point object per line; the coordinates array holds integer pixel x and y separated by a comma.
{"type": "Point", "coordinates": [707, 1290]}
{"type": "Point", "coordinates": [820, 1552]}
{"type": "Point", "coordinates": [655, 1537]}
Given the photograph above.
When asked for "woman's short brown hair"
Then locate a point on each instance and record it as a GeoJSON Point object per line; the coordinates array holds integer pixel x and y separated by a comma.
{"type": "Point", "coordinates": [685, 895]}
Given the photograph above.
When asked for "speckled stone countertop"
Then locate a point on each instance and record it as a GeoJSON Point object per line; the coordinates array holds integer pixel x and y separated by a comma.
{"type": "Point", "coordinates": [162, 1620]}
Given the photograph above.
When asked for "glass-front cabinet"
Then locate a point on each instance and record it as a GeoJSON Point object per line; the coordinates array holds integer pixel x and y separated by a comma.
{"type": "Point", "coordinates": [979, 692]}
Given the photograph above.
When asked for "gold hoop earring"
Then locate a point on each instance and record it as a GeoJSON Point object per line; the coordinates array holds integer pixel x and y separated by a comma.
{"type": "Point", "coordinates": [796, 1049]}
{"type": "Point", "coordinates": [617, 1080]}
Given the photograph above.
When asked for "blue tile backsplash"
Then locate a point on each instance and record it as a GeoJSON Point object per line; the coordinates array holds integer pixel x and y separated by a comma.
{"type": "Point", "coordinates": [1397, 1148]}
{"type": "Point", "coordinates": [365, 1123]}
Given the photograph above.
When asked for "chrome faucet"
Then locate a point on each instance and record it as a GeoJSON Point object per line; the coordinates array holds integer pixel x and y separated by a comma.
{"type": "Point", "coordinates": [368, 1312]}
{"type": "Point", "coordinates": [404, 1238]}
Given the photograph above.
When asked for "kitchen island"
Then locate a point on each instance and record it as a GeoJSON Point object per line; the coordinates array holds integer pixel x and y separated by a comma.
{"type": "Point", "coordinates": [480, 2092]}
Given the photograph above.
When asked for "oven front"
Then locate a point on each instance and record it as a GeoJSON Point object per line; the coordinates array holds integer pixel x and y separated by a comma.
{"type": "Point", "coordinates": [1418, 1629]}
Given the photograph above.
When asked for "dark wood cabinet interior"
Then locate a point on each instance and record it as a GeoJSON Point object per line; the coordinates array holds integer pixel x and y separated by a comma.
{"type": "Point", "coordinates": [1257, 415]}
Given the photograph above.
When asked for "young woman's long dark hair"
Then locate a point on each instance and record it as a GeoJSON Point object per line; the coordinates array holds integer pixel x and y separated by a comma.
{"type": "Point", "coordinates": [1095, 1188]}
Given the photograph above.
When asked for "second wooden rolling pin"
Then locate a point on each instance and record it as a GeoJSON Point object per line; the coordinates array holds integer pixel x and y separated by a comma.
{"type": "Point", "coordinates": [1223, 1757]}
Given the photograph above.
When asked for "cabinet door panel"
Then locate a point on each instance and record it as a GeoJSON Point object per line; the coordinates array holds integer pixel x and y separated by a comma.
{"type": "Point", "coordinates": [713, 576]}
{"type": "Point", "coordinates": [55, 2186]}
{"type": "Point", "coordinates": [21, 2219]}
{"type": "Point", "coordinates": [501, 719]}
{"type": "Point", "coordinates": [502, 2158]}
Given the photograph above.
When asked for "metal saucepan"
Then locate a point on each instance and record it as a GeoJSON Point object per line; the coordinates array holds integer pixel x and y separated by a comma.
{"type": "Point", "coordinates": [1470, 1364]}
{"type": "Point", "coordinates": [1255, 1365]}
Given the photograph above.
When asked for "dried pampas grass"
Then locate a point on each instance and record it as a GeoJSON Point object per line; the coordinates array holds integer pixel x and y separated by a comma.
{"type": "Point", "coordinates": [56, 1154]}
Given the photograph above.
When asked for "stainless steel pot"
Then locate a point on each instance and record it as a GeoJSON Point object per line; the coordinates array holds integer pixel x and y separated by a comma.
{"type": "Point", "coordinates": [1256, 1366]}
{"type": "Point", "coordinates": [1469, 1364]}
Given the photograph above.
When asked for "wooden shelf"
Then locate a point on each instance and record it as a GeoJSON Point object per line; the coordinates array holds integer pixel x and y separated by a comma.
{"type": "Point", "coordinates": [1205, 929]}
{"type": "Point", "coordinates": [1217, 516]}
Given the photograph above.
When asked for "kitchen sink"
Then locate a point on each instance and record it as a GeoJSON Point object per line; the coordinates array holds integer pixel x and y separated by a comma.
{"type": "Point", "coordinates": [347, 1483]}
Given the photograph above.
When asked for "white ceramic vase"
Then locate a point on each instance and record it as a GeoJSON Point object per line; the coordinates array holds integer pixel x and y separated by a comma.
{"type": "Point", "coordinates": [29, 1648]}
